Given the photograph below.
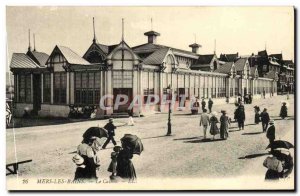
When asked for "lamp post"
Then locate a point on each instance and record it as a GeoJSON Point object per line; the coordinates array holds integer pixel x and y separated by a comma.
{"type": "Point", "coordinates": [169, 91]}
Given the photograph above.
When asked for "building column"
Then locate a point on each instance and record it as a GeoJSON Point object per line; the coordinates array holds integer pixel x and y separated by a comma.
{"type": "Point", "coordinates": [42, 88]}
{"type": "Point", "coordinates": [247, 85]}
{"type": "Point", "coordinates": [227, 87]}
{"type": "Point", "coordinates": [109, 87]}
{"type": "Point", "coordinates": [233, 86]}
{"type": "Point", "coordinates": [52, 85]}
{"type": "Point", "coordinates": [72, 88]}
{"type": "Point", "coordinates": [209, 86]}
{"type": "Point", "coordinates": [135, 92]}
{"type": "Point", "coordinates": [16, 87]}
{"type": "Point", "coordinates": [68, 89]}
{"type": "Point", "coordinates": [31, 82]}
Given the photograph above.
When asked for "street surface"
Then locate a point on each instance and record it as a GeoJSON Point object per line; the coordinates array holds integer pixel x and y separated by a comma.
{"type": "Point", "coordinates": [182, 155]}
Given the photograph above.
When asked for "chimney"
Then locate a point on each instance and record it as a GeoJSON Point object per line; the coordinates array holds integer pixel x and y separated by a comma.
{"type": "Point", "coordinates": [152, 36]}
{"type": "Point", "coordinates": [195, 47]}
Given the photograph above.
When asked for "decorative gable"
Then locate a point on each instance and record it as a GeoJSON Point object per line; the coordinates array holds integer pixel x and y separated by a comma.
{"type": "Point", "coordinates": [95, 54]}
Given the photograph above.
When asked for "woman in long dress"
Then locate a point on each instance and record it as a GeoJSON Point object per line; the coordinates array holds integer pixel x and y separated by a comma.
{"type": "Point", "coordinates": [214, 130]}
{"type": "Point", "coordinates": [257, 115]}
{"type": "Point", "coordinates": [224, 124]}
{"type": "Point", "coordinates": [283, 111]}
{"type": "Point", "coordinates": [125, 168]}
{"type": "Point", "coordinates": [87, 170]}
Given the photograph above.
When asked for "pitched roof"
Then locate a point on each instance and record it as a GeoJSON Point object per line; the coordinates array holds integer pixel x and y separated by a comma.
{"type": "Point", "coordinates": [41, 57]}
{"type": "Point", "coordinates": [156, 57]}
{"type": "Point", "coordinates": [240, 64]}
{"type": "Point", "coordinates": [21, 60]}
{"type": "Point", "coordinates": [103, 47]}
{"type": "Point", "coordinates": [262, 53]}
{"type": "Point", "coordinates": [72, 57]}
{"type": "Point", "coordinates": [150, 47]}
{"type": "Point", "coordinates": [289, 63]}
{"type": "Point", "coordinates": [229, 57]}
{"type": "Point", "coordinates": [225, 68]}
{"type": "Point", "coordinates": [273, 62]}
{"type": "Point", "coordinates": [152, 33]}
{"type": "Point", "coordinates": [277, 56]}
{"type": "Point", "coordinates": [205, 59]}
{"type": "Point", "coordinates": [107, 48]}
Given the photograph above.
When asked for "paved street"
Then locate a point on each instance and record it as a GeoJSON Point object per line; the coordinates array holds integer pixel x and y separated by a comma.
{"type": "Point", "coordinates": [182, 155]}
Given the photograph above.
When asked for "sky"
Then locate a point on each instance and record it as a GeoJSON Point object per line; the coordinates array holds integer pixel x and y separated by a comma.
{"type": "Point", "coordinates": [245, 30]}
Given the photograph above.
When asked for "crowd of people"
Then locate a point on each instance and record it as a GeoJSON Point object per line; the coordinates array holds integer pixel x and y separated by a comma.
{"type": "Point", "coordinates": [87, 158]}
{"type": "Point", "coordinates": [280, 164]}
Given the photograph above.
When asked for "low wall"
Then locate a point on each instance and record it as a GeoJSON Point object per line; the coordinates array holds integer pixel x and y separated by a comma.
{"type": "Point", "coordinates": [18, 111]}
{"type": "Point", "coordinates": [48, 110]}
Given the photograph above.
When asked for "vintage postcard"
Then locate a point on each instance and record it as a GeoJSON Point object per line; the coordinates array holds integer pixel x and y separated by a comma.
{"type": "Point", "coordinates": [150, 98]}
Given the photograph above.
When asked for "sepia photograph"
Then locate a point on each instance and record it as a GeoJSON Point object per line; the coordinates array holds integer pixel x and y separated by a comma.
{"type": "Point", "coordinates": [150, 98]}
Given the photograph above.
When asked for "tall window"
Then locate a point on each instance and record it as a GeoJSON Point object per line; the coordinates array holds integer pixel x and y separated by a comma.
{"type": "Point", "coordinates": [47, 88]}
{"type": "Point", "coordinates": [25, 88]}
{"type": "Point", "coordinates": [60, 85]}
{"type": "Point", "coordinates": [87, 88]}
{"type": "Point", "coordinates": [148, 86]}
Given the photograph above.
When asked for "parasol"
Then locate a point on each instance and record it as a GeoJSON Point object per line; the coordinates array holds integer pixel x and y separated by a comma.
{"type": "Point", "coordinates": [280, 144]}
{"type": "Point", "coordinates": [95, 132]}
{"type": "Point", "coordinates": [133, 143]}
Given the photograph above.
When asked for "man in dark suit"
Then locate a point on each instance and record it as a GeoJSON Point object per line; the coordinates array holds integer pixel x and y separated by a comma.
{"type": "Point", "coordinates": [240, 116]}
{"type": "Point", "coordinates": [110, 127]}
{"type": "Point", "coordinates": [264, 119]}
{"type": "Point", "coordinates": [210, 104]}
{"type": "Point", "coordinates": [203, 104]}
{"type": "Point", "coordinates": [271, 133]}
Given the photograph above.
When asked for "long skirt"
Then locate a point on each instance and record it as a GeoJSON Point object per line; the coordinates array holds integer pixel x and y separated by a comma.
{"type": "Point", "coordinates": [223, 132]}
{"type": "Point", "coordinates": [214, 130]}
{"type": "Point", "coordinates": [125, 170]}
{"type": "Point", "coordinates": [257, 120]}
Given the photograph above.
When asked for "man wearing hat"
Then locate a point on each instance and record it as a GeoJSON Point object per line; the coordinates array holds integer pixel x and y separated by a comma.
{"type": "Point", "coordinates": [271, 133]}
{"type": "Point", "coordinates": [264, 119]}
{"type": "Point", "coordinates": [110, 127]}
{"type": "Point", "coordinates": [203, 104]}
{"type": "Point", "coordinates": [210, 104]}
{"type": "Point", "coordinates": [204, 121]}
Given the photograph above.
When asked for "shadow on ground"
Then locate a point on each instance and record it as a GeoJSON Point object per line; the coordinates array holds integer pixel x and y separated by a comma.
{"type": "Point", "coordinates": [251, 156]}
{"type": "Point", "coordinates": [187, 138]}
{"type": "Point", "coordinates": [203, 141]}
{"type": "Point", "coordinates": [252, 133]}
{"type": "Point", "coordinates": [234, 130]}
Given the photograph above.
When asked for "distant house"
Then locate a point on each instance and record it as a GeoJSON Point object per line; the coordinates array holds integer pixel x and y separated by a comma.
{"type": "Point", "coordinates": [229, 57]}
{"type": "Point", "coordinates": [208, 62]}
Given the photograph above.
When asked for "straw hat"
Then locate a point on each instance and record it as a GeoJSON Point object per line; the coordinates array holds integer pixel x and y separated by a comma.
{"type": "Point", "coordinates": [111, 120]}
{"type": "Point", "coordinates": [77, 159]}
{"type": "Point", "coordinates": [271, 121]}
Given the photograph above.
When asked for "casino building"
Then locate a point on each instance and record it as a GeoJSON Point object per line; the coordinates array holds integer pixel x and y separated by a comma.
{"type": "Point", "coordinates": [49, 84]}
